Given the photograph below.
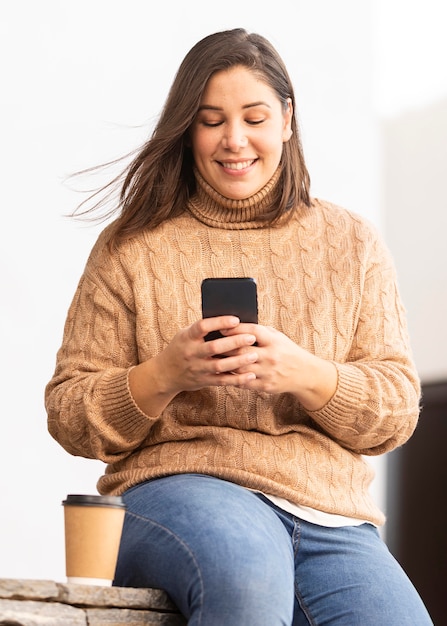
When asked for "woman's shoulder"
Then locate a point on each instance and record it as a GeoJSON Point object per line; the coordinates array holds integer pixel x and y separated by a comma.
{"type": "Point", "coordinates": [347, 231]}
{"type": "Point", "coordinates": [332, 212]}
{"type": "Point", "coordinates": [109, 258]}
{"type": "Point", "coordinates": [331, 216]}
{"type": "Point", "coordinates": [129, 252]}
{"type": "Point", "coordinates": [108, 249]}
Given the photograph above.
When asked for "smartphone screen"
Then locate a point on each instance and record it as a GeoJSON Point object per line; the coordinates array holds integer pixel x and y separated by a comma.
{"type": "Point", "coordinates": [229, 296]}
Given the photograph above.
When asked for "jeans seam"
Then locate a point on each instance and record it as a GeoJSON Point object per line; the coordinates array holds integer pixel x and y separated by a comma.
{"type": "Point", "coordinates": [184, 546]}
{"type": "Point", "coordinates": [296, 538]}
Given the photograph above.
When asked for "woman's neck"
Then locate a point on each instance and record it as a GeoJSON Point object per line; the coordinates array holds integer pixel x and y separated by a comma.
{"type": "Point", "coordinates": [210, 207]}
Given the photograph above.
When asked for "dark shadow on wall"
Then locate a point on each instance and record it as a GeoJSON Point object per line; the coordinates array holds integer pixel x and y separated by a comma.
{"type": "Point", "coordinates": [414, 197]}
{"type": "Point", "coordinates": [417, 503]}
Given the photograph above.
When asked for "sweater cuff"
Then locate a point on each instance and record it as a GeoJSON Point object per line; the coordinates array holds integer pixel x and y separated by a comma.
{"type": "Point", "coordinates": [120, 407]}
{"type": "Point", "coordinates": [350, 393]}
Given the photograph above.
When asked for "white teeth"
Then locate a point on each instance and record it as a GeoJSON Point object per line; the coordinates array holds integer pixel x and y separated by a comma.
{"type": "Point", "coordinates": [238, 166]}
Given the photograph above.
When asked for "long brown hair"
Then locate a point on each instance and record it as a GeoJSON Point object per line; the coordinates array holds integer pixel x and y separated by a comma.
{"type": "Point", "coordinates": [159, 181]}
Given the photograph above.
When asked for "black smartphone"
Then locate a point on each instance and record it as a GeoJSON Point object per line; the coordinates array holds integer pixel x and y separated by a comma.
{"type": "Point", "coordinates": [229, 296]}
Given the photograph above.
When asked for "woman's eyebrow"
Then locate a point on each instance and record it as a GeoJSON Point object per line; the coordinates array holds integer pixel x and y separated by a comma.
{"type": "Point", "coordinates": [210, 107]}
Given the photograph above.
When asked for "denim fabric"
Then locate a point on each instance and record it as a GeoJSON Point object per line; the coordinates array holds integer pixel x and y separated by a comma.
{"type": "Point", "coordinates": [229, 557]}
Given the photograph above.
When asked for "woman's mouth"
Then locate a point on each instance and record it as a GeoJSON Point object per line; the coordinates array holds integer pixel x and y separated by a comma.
{"type": "Point", "coordinates": [237, 165]}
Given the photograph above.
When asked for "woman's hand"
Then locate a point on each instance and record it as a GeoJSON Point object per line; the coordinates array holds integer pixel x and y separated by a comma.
{"type": "Point", "coordinates": [189, 363]}
{"type": "Point", "coordinates": [274, 365]}
{"type": "Point", "coordinates": [282, 366]}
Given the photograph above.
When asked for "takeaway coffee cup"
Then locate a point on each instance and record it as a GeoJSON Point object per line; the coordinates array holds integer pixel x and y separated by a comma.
{"type": "Point", "coordinates": [93, 526]}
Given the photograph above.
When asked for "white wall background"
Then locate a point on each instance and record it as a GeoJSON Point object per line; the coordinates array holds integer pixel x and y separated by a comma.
{"type": "Point", "coordinates": [81, 83]}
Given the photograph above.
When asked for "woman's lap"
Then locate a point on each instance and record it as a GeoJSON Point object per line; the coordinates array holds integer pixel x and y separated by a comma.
{"type": "Point", "coordinates": [205, 541]}
{"type": "Point", "coordinates": [227, 556]}
{"type": "Point", "coordinates": [347, 576]}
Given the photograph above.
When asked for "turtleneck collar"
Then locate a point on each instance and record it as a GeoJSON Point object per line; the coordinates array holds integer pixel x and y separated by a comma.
{"type": "Point", "coordinates": [210, 207]}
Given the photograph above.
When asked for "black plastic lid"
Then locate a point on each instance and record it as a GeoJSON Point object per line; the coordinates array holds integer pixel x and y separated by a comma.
{"type": "Point", "coordinates": [81, 500]}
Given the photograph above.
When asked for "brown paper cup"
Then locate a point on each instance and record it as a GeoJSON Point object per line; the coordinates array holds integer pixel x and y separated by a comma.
{"type": "Point", "coordinates": [93, 526]}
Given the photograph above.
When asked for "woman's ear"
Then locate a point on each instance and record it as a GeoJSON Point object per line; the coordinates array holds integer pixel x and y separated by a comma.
{"type": "Point", "coordinates": [288, 116]}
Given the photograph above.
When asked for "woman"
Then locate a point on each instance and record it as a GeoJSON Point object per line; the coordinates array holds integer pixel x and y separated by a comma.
{"type": "Point", "coordinates": [244, 477]}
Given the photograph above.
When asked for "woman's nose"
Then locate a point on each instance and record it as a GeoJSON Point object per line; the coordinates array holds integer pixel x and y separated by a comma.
{"type": "Point", "coordinates": [234, 138]}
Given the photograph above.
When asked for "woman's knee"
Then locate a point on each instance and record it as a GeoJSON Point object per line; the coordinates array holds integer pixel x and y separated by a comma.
{"type": "Point", "coordinates": [213, 546]}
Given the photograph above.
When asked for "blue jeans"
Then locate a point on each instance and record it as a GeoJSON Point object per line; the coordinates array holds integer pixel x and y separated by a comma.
{"type": "Point", "coordinates": [228, 557]}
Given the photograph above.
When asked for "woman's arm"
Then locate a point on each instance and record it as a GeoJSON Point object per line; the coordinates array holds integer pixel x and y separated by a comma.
{"type": "Point", "coordinates": [102, 401]}
{"type": "Point", "coordinates": [370, 402]}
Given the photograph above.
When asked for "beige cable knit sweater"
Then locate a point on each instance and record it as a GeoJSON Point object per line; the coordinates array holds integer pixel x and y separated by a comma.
{"type": "Point", "coordinates": [325, 279]}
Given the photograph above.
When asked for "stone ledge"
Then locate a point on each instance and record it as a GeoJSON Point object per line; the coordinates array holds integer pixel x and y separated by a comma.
{"type": "Point", "coordinates": [47, 603]}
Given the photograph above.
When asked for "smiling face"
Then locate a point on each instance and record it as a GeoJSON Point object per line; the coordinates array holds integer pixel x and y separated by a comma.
{"type": "Point", "coordinates": [239, 131]}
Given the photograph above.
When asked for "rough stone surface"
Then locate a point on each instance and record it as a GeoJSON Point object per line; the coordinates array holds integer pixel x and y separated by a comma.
{"type": "Point", "coordinates": [128, 597]}
{"type": "Point", "coordinates": [119, 617]}
{"type": "Point", "coordinates": [34, 613]}
{"type": "Point", "coordinates": [48, 603]}
{"type": "Point", "coordinates": [28, 589]}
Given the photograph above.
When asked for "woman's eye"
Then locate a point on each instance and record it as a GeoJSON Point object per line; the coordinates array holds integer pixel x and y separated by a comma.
{"type": "Point", "coordinates": [211, 124]}
{"type": "Point", "coordinates": [255, 122]}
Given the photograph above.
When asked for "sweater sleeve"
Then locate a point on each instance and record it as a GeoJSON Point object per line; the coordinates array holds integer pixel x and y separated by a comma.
{"type": "Point", "coordinates": [376, 404]}
{"type": "Point", "coordinates": [91, 412]}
